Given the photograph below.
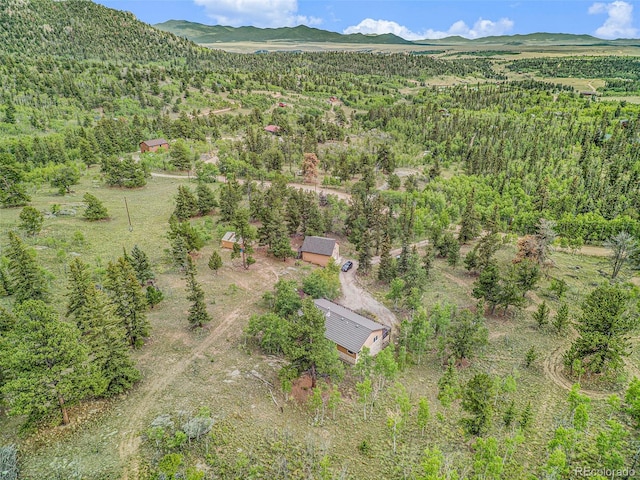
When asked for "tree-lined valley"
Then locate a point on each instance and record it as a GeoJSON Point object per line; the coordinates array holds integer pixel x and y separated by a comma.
{"type": "Point", "coordinates": [157, 315]}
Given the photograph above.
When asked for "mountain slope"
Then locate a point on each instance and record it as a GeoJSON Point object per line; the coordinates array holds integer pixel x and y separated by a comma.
{"type": "Point", "coordinates": [82, 29]}
{"type": "Point", "coordinates": [204, 34]}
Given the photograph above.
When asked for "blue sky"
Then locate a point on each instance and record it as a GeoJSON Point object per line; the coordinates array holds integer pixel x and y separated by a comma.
{"type": "Point", "coordinates": [410, 19]}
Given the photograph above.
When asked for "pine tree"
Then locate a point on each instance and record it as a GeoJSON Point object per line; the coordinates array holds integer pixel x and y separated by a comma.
{"type": "Point", "coordinates": [469, 225]}
{"type": "Point", "coordinates": [28, 280]}
{"type": "Point", "coordinates": [604, 327]}
{"type": "Point", "coordinates": [541, 315]}
{"type": "Point", "coordinates": [12, 189]}
{"type": "Point", "coordinates": [186, 204]}
{"type": "Point", "coordinates": [477, 399]}
{"type": "Point", "coordinates": [215, 262]}
{"type": "Point", "coordinates": [230, 196]}
{"type": "Point", "coordinates": [10, 113]}
{"type": "Point", "coordinates": [140, 263]}
{"type": "Point", "coordinates": [31, 221]}
{"type": "Point", "coordinates": [198, 314]}
{"type": "Point", "coordinates": [49, 365]}
{"type": "Point", "coordinates": [308, 349]}
{"type": "Point", "coordinates": [102, 333]}
{"type": "Point", "coordinates": [488, 286]}
{"type": "Point", "coordinates": [154, 296]}
{"type": "Point", "coordinates": [206, 199]}
{"type": "Point", "coordinates": [246, 233]}
{"type": "Point", "coordinates": [561, 320]}
{"type": "Point", "coordinates": [386, 268]}
{"type": "Point", "coordinates": [129, 301]}
{"type": "Point", "coordinates": [79, 284]}
{"type": "Point", "coordinates": [180, 155]}
{"type": "Point", "coordinates": [95, 209]}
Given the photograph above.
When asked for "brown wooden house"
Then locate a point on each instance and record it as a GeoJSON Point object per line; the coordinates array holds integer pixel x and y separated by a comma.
{"type": "Point", "coordinates": [319, 250]}
{"type": "Point", "coordinates": [154, 145]}
{"type": "Point", "coordinates": [352, 332]}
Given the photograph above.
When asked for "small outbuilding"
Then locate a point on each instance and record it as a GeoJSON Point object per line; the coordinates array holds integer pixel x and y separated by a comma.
{"type": "Point", "coordinates": [351, 332]}
{"type": "Point", "coordinates": [229, 240]}
{"type": "Point", "coordinates": [272, 129]}
{"type": "Point", "coordinates": [319, 250]}
{"type": "Point", "coordinates": [154, 145]}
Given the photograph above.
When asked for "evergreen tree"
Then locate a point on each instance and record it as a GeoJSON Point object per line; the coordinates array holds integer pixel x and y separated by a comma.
{"type": "Point", "coordinates": [180, 155]}
{"type": "Point", "coordinates": [487, 286]}
{"type": "Point", "coordinates": [230, 196]}
{"type": "Point", "coordinates": [561, 320]}
{"type": "Point", "coordinates": [95, 209]}
{"type": "Point", "coordinates": [140, 263]}
{"type": "Point", "coordinates": [154, 296]}
{"type": "Point", "coordinates": [477, 399]}
{"type": "Point", "coordinates": [246, 235]}
{"type": "Point", "coordinates": [449, 385]}
{"type": "Point", "coordinates": [79, 284]}
{"type": "Point", "coordinates": [10, 113]}
{"type": "Point", "coordinates": [31, 221]}
{"type": "Point", "coordinates": [186, 204]}
{"type": "Point", "coordinates": [206, 199]}
{"type": "Point", "coordinates": [198, 314]}
{"type": "Point", "coordinates": [129, 301]}
{"type": "Point", "coordinates": [101, 333]}
{"type": "Point", "coordinates": [541, 315]}
{"type": "Point", "coordinates": [308, 349]}
{"type": "Point", "coordinates": [12, 189]}
{"type": "Point", "coordinates": [386, 268]}
{"type": "Point", "coordinates": [49, 365]}
{"type": "Point", "coordinates": [604, 327]}
{"type": "Point", "coordinates": [215, 261]}
{"type": "Point", "coordinates": [527, 274]}
{"type": "Point", "coordinates": [469, 224]}
{"type": "Point", "coordinates": [28, 280]}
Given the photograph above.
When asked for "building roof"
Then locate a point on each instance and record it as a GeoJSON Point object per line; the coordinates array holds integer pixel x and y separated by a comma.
{"type": "Point", "coordinates": [272, 128]}
{"type": "Point", "coordinates": [155, 142]}
{"type": "Point", "coordinates": [318, 245]}
{"type": "Point", "coordinates": [345, 327]}
{"type": "Point", "coordinates": [231, 237]}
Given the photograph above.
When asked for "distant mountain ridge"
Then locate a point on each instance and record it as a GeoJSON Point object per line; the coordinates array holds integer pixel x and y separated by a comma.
{"type": "Point", "coordinates": [206, 34]}
{"type": "Point", "coordinates": [210, 34]}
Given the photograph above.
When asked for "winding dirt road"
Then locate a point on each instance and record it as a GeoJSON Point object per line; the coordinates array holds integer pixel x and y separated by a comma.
{"type": "Point", "coordinates": [141, 401]}
{"type": "Point", "coordinates": [303, 186]}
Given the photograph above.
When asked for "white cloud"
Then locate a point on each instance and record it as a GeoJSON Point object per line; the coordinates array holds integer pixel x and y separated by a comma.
{"type": "Point", "coordinates": [259, 13]}
{"type": "Point", "coordinates": [482, 28]}
{"type": "Point", "coordinates": [619, 22]}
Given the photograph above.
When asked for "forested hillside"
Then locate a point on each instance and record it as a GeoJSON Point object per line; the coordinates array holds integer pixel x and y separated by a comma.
{"type": "Point", "coordinates": [489, 206]}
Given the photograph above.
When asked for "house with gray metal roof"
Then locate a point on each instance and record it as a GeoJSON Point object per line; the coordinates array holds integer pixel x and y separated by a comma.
{"type": "Point", "coordinates": [351, 332]}
{"type": "Point", "coordinates": [319, 250]}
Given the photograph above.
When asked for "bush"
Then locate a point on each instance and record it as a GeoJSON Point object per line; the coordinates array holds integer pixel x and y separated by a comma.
{"type": "Point", "coordinates": [9, 462]}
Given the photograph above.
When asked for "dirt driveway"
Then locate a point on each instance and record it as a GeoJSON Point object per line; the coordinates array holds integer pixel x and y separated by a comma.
{"type": "Point", "coordinates": [356, 298]}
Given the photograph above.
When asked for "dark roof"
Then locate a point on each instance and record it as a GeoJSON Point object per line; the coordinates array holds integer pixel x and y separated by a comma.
{"type": "Point", "coordinates": [318, 245]}
{"type": "Point", "coordinates": [155, 142]}
{"type": "Point", "coordinates": [345, 327]}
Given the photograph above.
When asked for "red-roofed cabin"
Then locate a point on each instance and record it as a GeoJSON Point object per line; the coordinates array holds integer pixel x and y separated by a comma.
{"type": "Point", "coordinates": [272, 128]}
{"type": "Point", "coordinates": [282, 104]}
{"type": "Point", "coordinates": [154, 145]}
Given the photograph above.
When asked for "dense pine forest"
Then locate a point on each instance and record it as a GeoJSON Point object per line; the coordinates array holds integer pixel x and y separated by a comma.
{"type": "Point", "coordinates": [489, 203]}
